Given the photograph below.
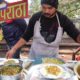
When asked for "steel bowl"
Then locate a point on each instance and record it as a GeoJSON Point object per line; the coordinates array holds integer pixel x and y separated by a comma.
{"type": "Point", "coordinates": [11, 77]}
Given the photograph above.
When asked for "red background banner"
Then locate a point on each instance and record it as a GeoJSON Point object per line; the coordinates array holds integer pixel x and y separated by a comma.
{"type": "Point", "coordinates": [15, 10]}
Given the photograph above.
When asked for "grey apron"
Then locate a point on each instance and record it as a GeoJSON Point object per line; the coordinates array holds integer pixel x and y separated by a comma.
{"type": "Point", "coordinates": [40, 48]}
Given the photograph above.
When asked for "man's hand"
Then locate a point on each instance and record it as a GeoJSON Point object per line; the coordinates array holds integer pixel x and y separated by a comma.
{"type": "Point", "coordinates": [78, 38]}
{"type": "Point", "coordinates": [10, 53]}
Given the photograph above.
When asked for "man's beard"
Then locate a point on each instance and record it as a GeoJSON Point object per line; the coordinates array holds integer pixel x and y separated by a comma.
{"type": "Point", "coordinates": [49, 15]}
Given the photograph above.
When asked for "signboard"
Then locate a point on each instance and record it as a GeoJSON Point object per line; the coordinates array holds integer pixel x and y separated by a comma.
{"type": "Point", "coordinates": [15, 10]}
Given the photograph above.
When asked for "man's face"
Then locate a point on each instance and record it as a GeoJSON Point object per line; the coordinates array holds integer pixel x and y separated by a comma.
{"type": "Point", "coordinates": [48, 10]}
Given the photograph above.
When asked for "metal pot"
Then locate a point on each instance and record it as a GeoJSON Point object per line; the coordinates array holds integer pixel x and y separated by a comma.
{"type": "Point", "coordinates": [15, 77]}
{"type": "Point", "coordinates": [11, 77]}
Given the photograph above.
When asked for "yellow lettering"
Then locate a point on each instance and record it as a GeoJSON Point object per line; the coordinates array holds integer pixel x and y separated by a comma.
{"type": "Point", "coordinates": [9, 13]}
{"type": "Point", "coordinates": [3, 14]}
{"type": "Point", "coordinates": [14, 11]}
{"type": "Point", "coordinates": [18, 12]}
{"type": "Point", "coordinates": [24, 9]}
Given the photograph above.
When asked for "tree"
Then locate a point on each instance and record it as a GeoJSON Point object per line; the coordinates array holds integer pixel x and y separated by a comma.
{"type": "Point", "coordinates": [34, 6]}
{"type": "Point", "coordinates": [71, 8]}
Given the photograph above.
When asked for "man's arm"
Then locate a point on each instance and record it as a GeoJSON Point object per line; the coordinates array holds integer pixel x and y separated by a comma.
{"type": "Point", "coordinates": [26, 36]}
{"type": "Point", "coordinates": [11, 52]}
{"type": "Point", "coordinates": [71, 29]}
{"type": "Point", "coordinates": [21, 23]}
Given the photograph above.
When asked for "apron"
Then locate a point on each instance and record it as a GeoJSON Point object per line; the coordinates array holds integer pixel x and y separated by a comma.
{"type": "Point", "coordinates": [40, 48]}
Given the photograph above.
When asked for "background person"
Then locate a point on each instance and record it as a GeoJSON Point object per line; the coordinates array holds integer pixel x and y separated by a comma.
{"type": "Point", "coordinates": [12, 31]}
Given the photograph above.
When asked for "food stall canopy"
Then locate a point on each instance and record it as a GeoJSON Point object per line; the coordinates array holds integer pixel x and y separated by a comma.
{"type": "Point", "coordinates": [15, 9]}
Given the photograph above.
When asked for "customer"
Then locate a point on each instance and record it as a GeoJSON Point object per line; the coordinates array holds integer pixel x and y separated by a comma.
{"type": "Point", "coordinates": [12, 31]}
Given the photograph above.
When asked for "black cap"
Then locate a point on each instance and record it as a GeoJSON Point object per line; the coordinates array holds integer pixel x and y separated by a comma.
{"type": "Point", "coordinates": [53, 3]}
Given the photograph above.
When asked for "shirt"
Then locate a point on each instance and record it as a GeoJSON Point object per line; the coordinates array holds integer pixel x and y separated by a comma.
{"type": "Point", "coordinates": [13, 30]}
{"type": "Point", "coordinates": [50, 25]}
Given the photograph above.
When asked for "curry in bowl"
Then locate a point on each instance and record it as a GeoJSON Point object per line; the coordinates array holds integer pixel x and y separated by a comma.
{"type": "Point", "coordinates": [77, 69]}
{"type": "Point", "coordinates": [53, 60]}
{"type": "Point", "coordinates": [10, 70]}
{"type": "Point", "coordinates": [51, 71]}
{"type": "Point", "coordinates": [11, 62]}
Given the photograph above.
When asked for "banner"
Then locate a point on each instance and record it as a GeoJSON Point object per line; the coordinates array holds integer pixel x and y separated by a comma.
{"type": "Point", "coordinates": [15, 10]}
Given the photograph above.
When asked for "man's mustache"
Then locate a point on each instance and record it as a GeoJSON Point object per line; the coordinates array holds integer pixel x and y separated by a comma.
{"type": "Point", "coordinates": [46, 14]}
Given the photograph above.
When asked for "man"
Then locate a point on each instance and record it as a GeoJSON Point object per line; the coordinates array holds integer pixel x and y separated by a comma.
{"type": "Point", "coordinates": [46, 28]}
{"type": "Point", "coordinates": [12, 31]}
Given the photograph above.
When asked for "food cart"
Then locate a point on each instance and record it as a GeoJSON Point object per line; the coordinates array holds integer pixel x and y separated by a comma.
{"type": "Point", "coordinates": [47, 68]}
